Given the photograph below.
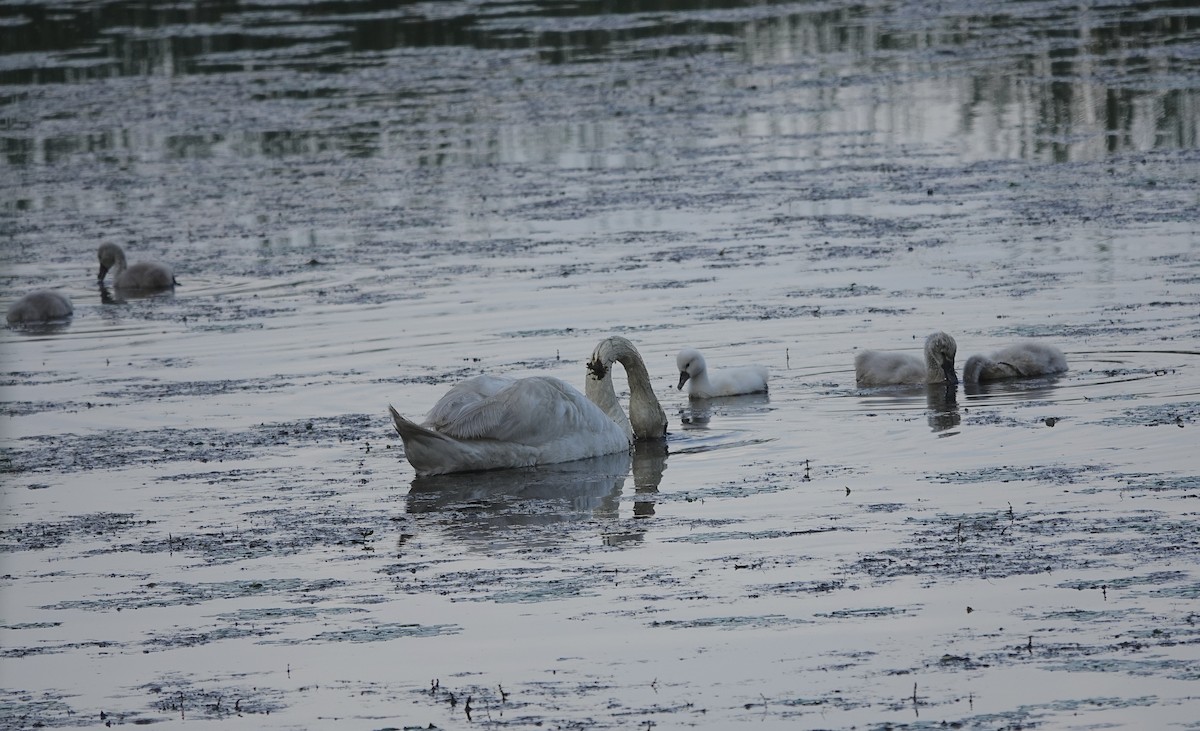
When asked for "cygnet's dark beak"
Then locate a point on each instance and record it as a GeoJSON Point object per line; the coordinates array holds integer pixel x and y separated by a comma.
{"type": "Point", "coordinates": [948, 371]}
{"type": "Point", "coordinates": [103, 271]}
{"type": "Point", "coordinates": [683, 377]}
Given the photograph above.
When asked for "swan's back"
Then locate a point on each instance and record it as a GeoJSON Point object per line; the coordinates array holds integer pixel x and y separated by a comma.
{"type": "Point", "coordinates": [491, 422]}
{"type": "Point", "coordinates": [535, 410]}
{"type": "Point", "coordinates": [879, 368]}
{"type": "Point", "coordinates": [1022, 360]}
{"type": "Point", "coordinates": [147, 276]}
{"type": "Point", "coordinates": [43, 305]}
{"type": "Point", "coordinates": [462, 398]}
{"type": "Point", "coordinates": [739, 380]}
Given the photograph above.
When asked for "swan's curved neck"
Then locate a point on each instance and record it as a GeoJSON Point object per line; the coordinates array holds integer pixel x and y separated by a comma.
{"type": "Point", "coordinates": [646, 419]}
{"type": "Point", "coordinates": [646, 415]}
{"type": "Point", "coordinates": [598, 387]}
{"type": "Point", "coordinates": [933, 368]}
{"type": "Point", "coordinates": [701, 380]}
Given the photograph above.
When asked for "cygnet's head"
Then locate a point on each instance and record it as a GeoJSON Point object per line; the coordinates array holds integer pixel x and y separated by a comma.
{"type": "Point", "coordinates": [110, 255]}
{"type": "Point", "coordinates": [940, 350]}
{"type": "Point", "coordinates": [690, 364]}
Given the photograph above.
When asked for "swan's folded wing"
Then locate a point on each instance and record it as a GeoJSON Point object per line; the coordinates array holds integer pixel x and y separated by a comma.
{"type": "Point", "coordinates": [528, 411]}
{"type": "Point", "coordinates": [461, 398]}
{"type": "Point", "coordinates": [1033, 359]}
{"type": "Point", "coordinates": [883, 368]}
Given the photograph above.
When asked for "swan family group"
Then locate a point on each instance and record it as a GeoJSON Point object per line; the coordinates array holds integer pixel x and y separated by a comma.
{"type": "Point", "coordinates": [48, 306]}
{"type": "Point", "coordinates": [493, 422]}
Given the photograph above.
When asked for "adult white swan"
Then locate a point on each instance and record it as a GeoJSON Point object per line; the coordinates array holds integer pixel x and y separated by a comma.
{"type": "Point", "coordinates": [43, 305]}
{"type": "Point", "coordinates": [493, 422]}
{"type": "Point", "coordinates": [1022, 360]}
{"type": "Point", "coordinates": [146, 276]}
{"type": "Point", "coordinates": [733, 381]}
{"type": "Point", "coordinates": [876, 368]}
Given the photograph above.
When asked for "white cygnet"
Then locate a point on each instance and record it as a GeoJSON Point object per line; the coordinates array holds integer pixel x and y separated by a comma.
{"type": "Point", "coordinates": [145, 276]}
{"type": "Point", "coordinates": [878, 368]}
{"type": "Point", "coordinates": [43, 305]}
{"type": "Point", "coordinates": [1022, 360]}
{"type": "Point", "coordinates": [729, 381]}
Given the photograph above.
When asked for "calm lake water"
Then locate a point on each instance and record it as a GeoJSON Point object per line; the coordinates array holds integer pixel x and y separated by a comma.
{"type": "Point", "coordinates": [206, 516]}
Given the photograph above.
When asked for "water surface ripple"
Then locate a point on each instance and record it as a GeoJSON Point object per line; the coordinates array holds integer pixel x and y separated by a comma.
{"type": "Point", "coordinates": [206, 517]}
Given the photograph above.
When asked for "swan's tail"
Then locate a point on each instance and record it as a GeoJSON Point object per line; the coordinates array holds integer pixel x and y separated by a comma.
{"type": "Point", "coordinates": [433, 453]}
{"type": "Point", "coordinates": [412, 430]}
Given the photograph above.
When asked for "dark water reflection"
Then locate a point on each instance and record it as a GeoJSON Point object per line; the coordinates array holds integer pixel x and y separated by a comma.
{"type": "Point", "coordinates": [588, 489]}
{"type": "Point", "coordinates": [942, 402]}
{"type": "Point", "coordinates": [699, 412]}
{"type": "Point", "coordinates": [1043, 80]}
{"type": "Point", "coordinates": [1013, 389]}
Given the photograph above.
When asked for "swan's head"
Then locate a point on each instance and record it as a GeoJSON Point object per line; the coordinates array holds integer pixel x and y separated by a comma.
{"type": "Point", "coordinates": [110, 255]}
{"type": "Point", "coordinates": [597, 369]}
{"type": "Point", "coordinates": [940, 350]}
{"type": "Point", "coordinates": [690, 364]}
{"type": "Point", "coordinates": [611, 350]}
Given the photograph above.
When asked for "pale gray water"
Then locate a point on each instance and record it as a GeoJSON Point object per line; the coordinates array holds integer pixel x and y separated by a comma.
{"type": "Point", "coordinates": [206, 514]}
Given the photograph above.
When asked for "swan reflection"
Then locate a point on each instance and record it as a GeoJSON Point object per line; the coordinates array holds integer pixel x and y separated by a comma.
{"type": "Point", "coordinates": [940, 400]}
{"type": "Point", "coordinates": [477, 503]}
{"type": "Point", "coordinates": [1013, 389]}
{"type": "Point", "coordinates": [33, 329]}
{"type": "Point", "coordinates": [699, 412]}
{"type": "Point", "coordinates": [649, 463]}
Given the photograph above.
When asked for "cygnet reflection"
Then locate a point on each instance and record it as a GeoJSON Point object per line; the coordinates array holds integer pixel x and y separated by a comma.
{"type": "Point", "coordinates": [698, 413]}
{"type": "Point", "coordinates": [941, 400]}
